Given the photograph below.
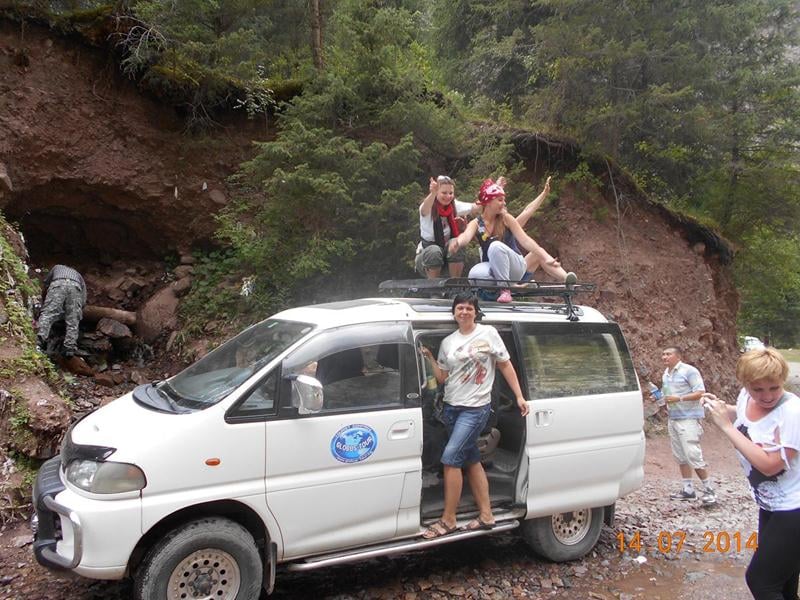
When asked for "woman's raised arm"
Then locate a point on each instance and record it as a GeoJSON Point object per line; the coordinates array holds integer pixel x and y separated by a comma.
{"type": "Point", "coordinates": [427, 203]}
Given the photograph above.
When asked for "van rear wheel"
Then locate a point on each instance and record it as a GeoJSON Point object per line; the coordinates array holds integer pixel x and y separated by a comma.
{"type": "Point", "coordinates": [207, 558]}
{"type": "Point", "coordinates": [564, 536]}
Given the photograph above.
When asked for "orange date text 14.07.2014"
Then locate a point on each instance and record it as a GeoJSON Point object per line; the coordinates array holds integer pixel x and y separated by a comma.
{"type": "Point", "coordinates": [671, 542]}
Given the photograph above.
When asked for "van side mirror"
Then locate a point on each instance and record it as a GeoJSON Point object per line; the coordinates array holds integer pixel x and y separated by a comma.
{"type": "Point", "coordinates": [307, 394]}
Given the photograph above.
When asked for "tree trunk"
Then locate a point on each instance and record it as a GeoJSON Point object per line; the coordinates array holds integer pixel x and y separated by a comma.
{"type": "Point", "coordinates": [728, 206]}
{"type": "Point", "coordinates": [95, 313]}
{"type": "Point", "coordinates": [316, 34]}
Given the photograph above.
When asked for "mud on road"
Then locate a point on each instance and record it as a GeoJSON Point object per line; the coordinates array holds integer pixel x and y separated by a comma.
{"type": "Point", "coordinates": [684, 551]}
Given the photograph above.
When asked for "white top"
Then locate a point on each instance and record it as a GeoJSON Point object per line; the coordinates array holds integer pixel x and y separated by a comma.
{"type": "Point", "coordinates": [777, 430]}
{"type": "Point", "coordinates": [470, 362]}
{"type": "Point", "coordinates": [426, 223]}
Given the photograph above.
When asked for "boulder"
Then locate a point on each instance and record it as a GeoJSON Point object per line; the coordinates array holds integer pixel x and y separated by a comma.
{"type": "Point", "coordinates": [45, 416]}
{"type": "Point", "coordinates": [106, 379]}
{"type": "Point", "coordinates": [158, 315]}
{"type": "Point", "coordinates": [182, 271]}
{"type": "Point", "coordinates": [182, 286]}
{"type": "Point", "coordinates": [113, 329]}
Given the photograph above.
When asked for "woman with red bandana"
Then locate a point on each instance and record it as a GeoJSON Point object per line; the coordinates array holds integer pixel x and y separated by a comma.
{"type": "Point", "coordinates": [502, 240]}
{"type": "Point", "coordinates": [439, 222]}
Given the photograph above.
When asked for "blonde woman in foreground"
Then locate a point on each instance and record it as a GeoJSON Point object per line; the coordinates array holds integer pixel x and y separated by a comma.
{"type": "Point", "coordinates": [764, 428]}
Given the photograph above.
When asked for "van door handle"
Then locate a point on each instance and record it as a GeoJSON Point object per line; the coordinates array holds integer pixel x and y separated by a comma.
{"type": "Point", "coordinates": [402, 430]}
{"type": "Point", "coordinates": [542, 418]}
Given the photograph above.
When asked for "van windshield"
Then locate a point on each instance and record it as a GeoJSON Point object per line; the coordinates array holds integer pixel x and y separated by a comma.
{"type": "Point", "coordinates": [220, 372]}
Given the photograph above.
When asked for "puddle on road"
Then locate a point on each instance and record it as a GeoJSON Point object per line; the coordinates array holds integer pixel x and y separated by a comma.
{"type": "Point", "coordinates": [681, 580]}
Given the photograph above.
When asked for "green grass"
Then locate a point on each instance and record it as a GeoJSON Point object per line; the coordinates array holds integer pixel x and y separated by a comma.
{"type": "Point", "coordinates": [791, 355]}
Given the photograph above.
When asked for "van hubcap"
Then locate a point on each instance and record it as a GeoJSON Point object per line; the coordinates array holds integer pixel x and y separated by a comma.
{"type": "Point", "coordinates": [203, 575]}
{"type": "Point", "coordinates": [571, 527]}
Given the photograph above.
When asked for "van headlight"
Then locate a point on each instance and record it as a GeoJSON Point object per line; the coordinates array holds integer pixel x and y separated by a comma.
{"type": "Point", "coordinates": [102, 477]}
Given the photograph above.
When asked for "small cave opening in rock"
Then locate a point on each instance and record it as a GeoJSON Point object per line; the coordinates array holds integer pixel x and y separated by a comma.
{"type": "Point", "coordinates": [68, 221]}
{"type": "Point", "coordinates": [125, 259]}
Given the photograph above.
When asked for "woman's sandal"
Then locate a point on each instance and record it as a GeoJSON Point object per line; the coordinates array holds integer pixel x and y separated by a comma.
{"type": "Point", "coordinates": [479, 525]}
{"type": "Point", "coordinates": [438, 529]}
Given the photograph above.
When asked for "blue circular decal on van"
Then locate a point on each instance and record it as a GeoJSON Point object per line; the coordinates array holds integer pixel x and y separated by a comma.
{"type": "Point", "coordinates": [354, 443]}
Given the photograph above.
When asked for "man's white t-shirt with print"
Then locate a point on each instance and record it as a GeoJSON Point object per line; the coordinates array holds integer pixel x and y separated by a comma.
{"type": "Point", "coordinates": [470, 360]}
{"type": "Point", "coordinates": [774, 432]}
{"type": "Point", "coordinates": [426, 222]}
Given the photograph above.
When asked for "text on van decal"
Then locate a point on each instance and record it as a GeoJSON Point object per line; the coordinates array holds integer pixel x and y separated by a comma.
{"type": "Point", "coordinates": [354, 443]}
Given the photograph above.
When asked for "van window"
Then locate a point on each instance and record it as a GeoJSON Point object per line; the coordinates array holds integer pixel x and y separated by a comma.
{"type": "Point", "coordinates": [575, 359]}
{"type": "Point", "coordinates": [220, 372]}
{"type": "Point", "coordinates": [258, 403]}
{"type": "Point", "coordinates": [359, 367]}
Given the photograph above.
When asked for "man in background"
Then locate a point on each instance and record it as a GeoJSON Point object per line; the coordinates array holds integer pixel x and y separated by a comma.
{"type": "Point", "coordinates": [683, 387]}
{"type": "Point", "coordinates": [65, 298]}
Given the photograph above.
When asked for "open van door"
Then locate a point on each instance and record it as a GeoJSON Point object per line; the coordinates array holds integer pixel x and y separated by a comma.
{"type": "Point", "coordinates": [584, 441]}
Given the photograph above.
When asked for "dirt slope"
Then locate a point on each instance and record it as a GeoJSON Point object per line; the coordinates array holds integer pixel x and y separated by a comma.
{"type": "Point", "coordinates": [97, 168]}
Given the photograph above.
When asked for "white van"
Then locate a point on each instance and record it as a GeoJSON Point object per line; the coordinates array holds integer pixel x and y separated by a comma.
{"type": "Point", "coordinates": [751, 343]}
{"type": "Point", "coordinates": [312, 439]}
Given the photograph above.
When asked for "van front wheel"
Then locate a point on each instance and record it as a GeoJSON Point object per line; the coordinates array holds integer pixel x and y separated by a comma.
{"type": "Point", "coordinates": [564, 536]}
{"type": "Point", "coordinates": [207, 558]}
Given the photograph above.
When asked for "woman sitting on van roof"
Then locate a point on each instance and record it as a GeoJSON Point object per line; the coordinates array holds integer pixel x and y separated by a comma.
{"type": "Point", "coordinates": [439, 222]}
{"type": "Point", "coordinates": [501, 236]}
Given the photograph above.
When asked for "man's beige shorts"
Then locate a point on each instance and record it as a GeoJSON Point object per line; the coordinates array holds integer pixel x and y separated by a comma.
{"type": "Point", "coordinates": [684, 436]}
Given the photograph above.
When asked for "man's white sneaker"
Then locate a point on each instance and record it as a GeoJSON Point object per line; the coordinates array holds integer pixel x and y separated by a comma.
{"type": "Point", "coordinates": [708, 498]}
{"type": "Point", "coordinates": [683, 495]}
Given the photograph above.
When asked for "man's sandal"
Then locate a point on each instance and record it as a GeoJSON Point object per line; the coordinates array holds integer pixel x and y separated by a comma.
{"type": "Point", "coordinates": [478, 525]}
{"type": "Point", "coordinates": [438, 529]}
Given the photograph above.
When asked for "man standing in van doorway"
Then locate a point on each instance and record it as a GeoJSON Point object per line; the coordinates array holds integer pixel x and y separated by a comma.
{"type": "Point", "coordinates": [683, 387]}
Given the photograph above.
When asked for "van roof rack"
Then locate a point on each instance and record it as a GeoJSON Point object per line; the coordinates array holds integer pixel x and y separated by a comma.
{"type": "Point", "coordinates": [444, 287]}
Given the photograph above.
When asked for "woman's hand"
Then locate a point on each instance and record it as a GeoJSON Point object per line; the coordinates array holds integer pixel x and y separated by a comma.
{"type": "Point", "coordinates": [433, 187]}
{"type": "Point", "coordinates": [524, 409]}
{"type": "Point", "coordinates": [426, 353]}
{"type": "Point", "coordinates": [546, 189]}
{"type": "Point", "coordinates": [717, 410]}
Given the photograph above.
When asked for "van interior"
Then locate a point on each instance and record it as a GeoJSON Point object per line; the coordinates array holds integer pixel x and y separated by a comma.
{"type": "Point", "coordinates": [501, 443]}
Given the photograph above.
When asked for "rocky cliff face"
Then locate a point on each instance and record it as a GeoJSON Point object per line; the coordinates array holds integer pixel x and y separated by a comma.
{"type": "Point", "coordinates": [99, 170]}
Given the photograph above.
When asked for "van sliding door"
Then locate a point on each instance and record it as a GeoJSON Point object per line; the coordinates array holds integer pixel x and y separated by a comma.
{"type": "Point", "coordinates": [584, 440]}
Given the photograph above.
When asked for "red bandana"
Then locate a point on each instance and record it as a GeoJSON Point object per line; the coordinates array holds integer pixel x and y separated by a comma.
{"type": "Point", "coordinates": [449, 211]}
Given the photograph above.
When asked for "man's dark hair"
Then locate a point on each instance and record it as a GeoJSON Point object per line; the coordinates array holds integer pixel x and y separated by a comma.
{"type": "Point", "coordinates": [676, 349]}
{"type": "Point", "coordinates": [467, 298]}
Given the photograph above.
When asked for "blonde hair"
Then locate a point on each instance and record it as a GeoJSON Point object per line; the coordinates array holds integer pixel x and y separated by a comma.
{"type": "Point", "coordinates": [766, 363]}
{"type": "Point", "coordinates": [499, 228]}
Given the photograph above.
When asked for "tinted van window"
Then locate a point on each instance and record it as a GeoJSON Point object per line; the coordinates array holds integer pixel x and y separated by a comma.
{"type": "Point", "coordinates": [575, 359]}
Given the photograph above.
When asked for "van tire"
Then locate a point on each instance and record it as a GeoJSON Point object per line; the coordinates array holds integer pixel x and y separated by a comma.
{"type": "Point", "coordinates": [564, 536]}
{"type": "Point", "coordinates": [216, 556]}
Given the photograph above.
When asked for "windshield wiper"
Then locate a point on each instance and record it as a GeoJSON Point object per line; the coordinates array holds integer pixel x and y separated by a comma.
{"type": "Point", "coordinates": [151, 396]}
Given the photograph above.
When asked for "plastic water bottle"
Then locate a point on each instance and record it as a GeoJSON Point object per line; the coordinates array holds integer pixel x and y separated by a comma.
{"type": "Point", "coordinates": [656, 394]}
{"type": "Point", "coordinates": [431, 382]}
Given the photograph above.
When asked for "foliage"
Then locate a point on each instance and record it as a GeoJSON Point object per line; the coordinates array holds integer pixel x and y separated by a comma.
{"type": "Point", "coordinates": [215, 291]}
{"type": "Point", "coordinates": [323, 199]}
{"type": "Point", "coordinates": [698, 100]}
{"type": "Point", "coordinates": [769, 275]}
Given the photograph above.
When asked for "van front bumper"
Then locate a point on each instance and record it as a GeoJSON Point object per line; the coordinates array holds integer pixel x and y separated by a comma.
{"type": "Point", "coordinates": [48, 523]}
{"type": "Point", "coordinates": [91, 537]}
